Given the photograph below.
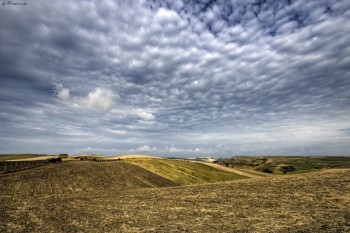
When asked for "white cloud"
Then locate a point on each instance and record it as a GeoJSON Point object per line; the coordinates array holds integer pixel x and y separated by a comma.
{"type": "Point", "coordinates": [174, 149]}
{"type": "Point", "coordinates": [102, 99]}
{"type": "Point", "coordinates": [143, 115]}
{"type": "Point", "coordinates": [144, 148]}
{"type": "Point", "coordinates": [99, 99]}
{"type": "Point", "coordinates": [166, 16]}
{"type": "Point", "coordinates": [96, 150]}
{"type": "Point", "coordinates": [198, 150]}
{"type": "Point", "coordinates": [117, 132]}
{"type": "Point", "coordinates": [62, 93]}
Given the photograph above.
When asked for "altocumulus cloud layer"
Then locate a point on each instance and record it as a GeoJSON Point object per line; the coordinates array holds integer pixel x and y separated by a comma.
{"type": "Point", "coordinates": [175, 77]}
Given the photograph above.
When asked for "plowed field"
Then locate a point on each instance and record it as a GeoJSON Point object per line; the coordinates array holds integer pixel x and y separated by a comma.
{"type": "Point", "coordinates": [79, 177]}
{"type": "Point", "coordinates": [120, 197]}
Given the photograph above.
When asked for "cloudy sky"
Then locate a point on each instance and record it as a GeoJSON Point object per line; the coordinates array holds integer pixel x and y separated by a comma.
{"type": "Point", "coordinates": [184, 78]}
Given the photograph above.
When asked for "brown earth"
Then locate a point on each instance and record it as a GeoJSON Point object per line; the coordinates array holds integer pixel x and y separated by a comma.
{"type": "Point", "coordinates": [79, 177]}
{"type": "Point", "coordinates": [115, 197]}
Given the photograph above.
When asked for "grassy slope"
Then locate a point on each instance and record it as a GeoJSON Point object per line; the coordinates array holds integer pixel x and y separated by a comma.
{"type": "Point", "coordinates": [183, 172]}
{"type": "Point", "coordinates": [312, 202]}
{"type": "Point", "coordinates": [290, 164]}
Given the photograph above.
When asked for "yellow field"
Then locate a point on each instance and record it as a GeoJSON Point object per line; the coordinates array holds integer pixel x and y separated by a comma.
{"type": "Point", "coordinates": [183, 172]}
{"type": "Point", "coordinates": [131, 157]}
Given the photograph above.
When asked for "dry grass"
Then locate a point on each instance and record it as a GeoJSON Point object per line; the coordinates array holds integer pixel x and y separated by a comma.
{"type": "Point", "coordinates": [40, 200]}
{"type": "Point", "coordinates": [25, 157]}
{"type": "Point", "coordinates": [288, 164]}
{"type": "Point", "coordinates": [183, 172]}
{"type": "Point", "coordinates": [134, 156]}
{"type": "Point", "coordinates": [120, 157]}
{"type": "Point", "coordinates": [242, 172]}
{"type": "Point", "coordinates": [35, 158]}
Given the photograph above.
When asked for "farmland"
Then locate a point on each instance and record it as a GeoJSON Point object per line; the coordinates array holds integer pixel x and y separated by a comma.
{"type": "Point", "coordinates": [82, 177]}
{"type": "Point", "coordinates": [183, 172]}
{"type": "Point", "coordinates": [5, 157]}
{"type": "Point", "coordinates": [86, 196]}
{"type": "Point", "coordinates": [287, 164]}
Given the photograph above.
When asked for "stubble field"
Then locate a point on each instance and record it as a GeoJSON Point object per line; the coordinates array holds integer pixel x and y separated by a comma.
{"type": "Point", "coordinates": [88, 197]}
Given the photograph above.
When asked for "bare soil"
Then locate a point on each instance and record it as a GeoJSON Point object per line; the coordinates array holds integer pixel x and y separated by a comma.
{"type": "Point", "coordinates": [79, 177]}
{"type": "Point", "coordinates": [120, 197]}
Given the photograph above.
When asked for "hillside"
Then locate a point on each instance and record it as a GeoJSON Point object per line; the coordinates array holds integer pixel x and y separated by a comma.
{"type": "Point", "coordinates": [311, 202]}
{"type": "Point", "coordinates": [4, 157]}
{"type": "Point", "coordinates": [183, 172]}
{"type": "Point", "coordinates": [287, 164]}
{"type": "Point", "coordinates": [79, 177]}
{"type": "Point", "coordinates": [133, 156]}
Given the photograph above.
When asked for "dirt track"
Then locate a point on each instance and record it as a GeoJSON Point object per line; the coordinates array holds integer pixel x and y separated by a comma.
{"type": "Point", "coordinates": [233, 170]}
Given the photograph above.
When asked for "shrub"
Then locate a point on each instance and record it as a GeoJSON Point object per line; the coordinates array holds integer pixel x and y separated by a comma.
{"type": "Point", "coordinates": [267, 170]}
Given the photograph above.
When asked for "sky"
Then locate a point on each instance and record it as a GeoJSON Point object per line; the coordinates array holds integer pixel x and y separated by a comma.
{"type": "Point", "coordinates": [175, 78]}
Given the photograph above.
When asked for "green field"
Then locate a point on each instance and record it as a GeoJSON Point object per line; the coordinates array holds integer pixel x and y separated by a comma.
{"type": "Point", "coordinates": [183, 172]}
{"type": "Point", "coordinates": [287, 164]}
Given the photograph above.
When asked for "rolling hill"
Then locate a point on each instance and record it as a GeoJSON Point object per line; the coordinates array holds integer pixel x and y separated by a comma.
{"type": "Point", "coordinates": [80, 177]}
{"type": "Point", "coordinates": [86, 196]}
{"type": "Point", "coordinates": [287, 164]}
{"type": "Point", "coordinates": [183, 172]}
{"type": "Point", "coordinates": [6, 157]}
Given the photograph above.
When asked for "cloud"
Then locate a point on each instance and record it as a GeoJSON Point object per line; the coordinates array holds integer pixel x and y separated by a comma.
{"type": "Point", "coordinates": [102, 99]}
{"type": "Point", "coordinates": [96, 151]}
{"type": "Point", "coordinates": [196, 74]}
{"type": "Point", "coordinates": [99, 100]}
{"type": "Point", "coordinates": [190, 151]}
{"type": "Point", "coordinates": [144, 148]}
{"type": "Point", "coordinates": [166, 16]}
{"type": "Point", "coordinates": [63, 93]}
{"type": "Point", "coordinates": [143, 115]}
{"type": "Point", "coordinates": [174, 149]}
